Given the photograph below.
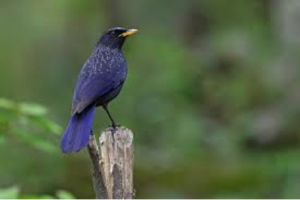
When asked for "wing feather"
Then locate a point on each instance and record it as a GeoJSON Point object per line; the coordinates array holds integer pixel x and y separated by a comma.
{"type": "Point", "coordinates": [91, 86]}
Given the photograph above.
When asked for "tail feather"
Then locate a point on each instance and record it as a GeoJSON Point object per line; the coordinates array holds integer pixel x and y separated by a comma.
{"type": "Point", "coordinates": [78, 131]}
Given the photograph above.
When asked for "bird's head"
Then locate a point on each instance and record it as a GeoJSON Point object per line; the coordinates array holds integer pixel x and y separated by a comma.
{"type": "Point", "coordinates": [115, 37]}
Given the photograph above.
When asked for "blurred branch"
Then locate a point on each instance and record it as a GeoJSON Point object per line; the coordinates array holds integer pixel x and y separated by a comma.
{"type": "Point", "coordinates": [113, 168]}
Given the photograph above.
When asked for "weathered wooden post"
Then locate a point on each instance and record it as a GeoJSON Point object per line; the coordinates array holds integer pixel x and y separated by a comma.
{"type": "Point", "coordinates": [113, 163]}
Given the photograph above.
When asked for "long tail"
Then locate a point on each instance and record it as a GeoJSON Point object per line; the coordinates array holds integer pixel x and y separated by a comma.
{"type": "Point", "coordinates": [78, 131]}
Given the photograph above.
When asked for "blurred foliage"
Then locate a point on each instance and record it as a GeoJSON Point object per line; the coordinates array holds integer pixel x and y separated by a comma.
{"type": "Point", "coordinates": [212, 95]}
{"type": "Point", "coordinates": [14, 193]}
{"type": "Point", "coordinates": [28, 123]}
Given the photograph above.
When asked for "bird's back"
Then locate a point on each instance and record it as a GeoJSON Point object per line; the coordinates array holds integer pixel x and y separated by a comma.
{"type": "Point", "coordinates": [102, 74]}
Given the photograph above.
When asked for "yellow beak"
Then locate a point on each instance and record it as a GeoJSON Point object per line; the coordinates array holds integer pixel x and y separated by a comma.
{"type": "Point", "coordinates": [128, 32]}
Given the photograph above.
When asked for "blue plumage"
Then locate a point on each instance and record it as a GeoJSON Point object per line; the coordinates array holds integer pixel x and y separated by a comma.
{"type": "Point", "coordinates": [78, 131]}
{"type": "Point", "coordinates": [100, 81]}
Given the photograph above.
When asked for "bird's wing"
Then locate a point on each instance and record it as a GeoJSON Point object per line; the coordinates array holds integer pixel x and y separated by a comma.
{"type": "Point", "coordinates": [91, 87]}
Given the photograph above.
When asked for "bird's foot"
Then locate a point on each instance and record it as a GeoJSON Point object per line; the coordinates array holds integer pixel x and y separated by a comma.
{"type": "Point", "coordinates": [115, 126]}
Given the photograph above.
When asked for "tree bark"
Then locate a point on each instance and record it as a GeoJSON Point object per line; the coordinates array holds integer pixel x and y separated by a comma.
{"type": "Point", "coordinates": [113, 164]}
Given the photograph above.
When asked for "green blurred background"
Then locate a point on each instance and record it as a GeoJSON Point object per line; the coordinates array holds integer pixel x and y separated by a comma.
{"type": "Point", "coordinates": [212, 96]}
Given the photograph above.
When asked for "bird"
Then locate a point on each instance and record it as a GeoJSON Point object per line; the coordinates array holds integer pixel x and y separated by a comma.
{"type": "Point", "coordinates": [99, 82]}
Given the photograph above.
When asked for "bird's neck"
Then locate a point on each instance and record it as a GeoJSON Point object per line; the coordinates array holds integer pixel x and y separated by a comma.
{"type": "Point", "coordinates": [107, 49]}
{"type": "Point", "coordinates": [111, 43]}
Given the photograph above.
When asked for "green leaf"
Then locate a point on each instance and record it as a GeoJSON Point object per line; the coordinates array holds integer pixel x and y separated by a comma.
{"type": "Point", "coordinates": [44, 145]}
{"type": "Point", "coordinates": [10, 193]}
{"type": "Point", "coordinates": [32, 109]}
{"type": "Point", "coordinates": [53, 127]}
{"type": "Point", "coordinates": [7, 104]}
{"type": "Point", "coordinates": [35, 196]}
{"type": "Point", "coordinates": [46, 197]}
{"type": "Point", "coordinates": [47, 125]}
{"type": "Point", "coordinates": [28, 196]}
{"type": "Point", "coordinates": [37, 141]}
{"type": "Point", "coordinates": [2, 139]}
{"type": "Point", "coordinates": [62, 194]}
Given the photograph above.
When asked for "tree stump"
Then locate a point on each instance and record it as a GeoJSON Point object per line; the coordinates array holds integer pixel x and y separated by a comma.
{"type": "Point", "coordinates": [113, 163]}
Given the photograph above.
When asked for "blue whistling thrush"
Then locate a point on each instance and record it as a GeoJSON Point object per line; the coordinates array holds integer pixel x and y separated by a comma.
{"type": "Point", "coordinates": [100, 81]}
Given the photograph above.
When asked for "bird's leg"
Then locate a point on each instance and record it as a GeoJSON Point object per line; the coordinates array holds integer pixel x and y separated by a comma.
{"type": "Point", "coordinates": [114, 125]}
